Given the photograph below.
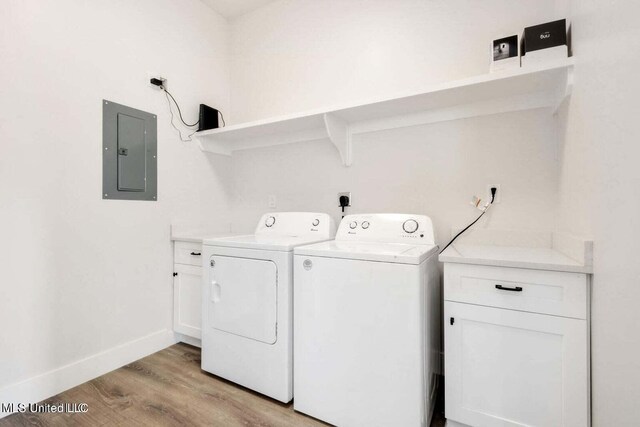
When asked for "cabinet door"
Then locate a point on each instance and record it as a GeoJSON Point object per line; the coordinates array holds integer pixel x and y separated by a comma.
{"type": "Point", "coordinates": [187, 300]}
{"type": "Point", "coordinates": [511, 368]}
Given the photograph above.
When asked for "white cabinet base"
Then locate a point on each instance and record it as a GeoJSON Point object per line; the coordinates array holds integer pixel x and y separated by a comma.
{"type": "Point", "coordinates": [188, 340]}
{"type": "Point", "coordinates": [511, 368]}
{"type": "Point", "coordinates": [516, 347]}
{"type": "Point", "coordinates": [187, 300]}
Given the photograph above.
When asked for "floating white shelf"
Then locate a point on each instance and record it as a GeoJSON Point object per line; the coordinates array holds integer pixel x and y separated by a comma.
{"type": "Point", "coordinates": [500, 92]}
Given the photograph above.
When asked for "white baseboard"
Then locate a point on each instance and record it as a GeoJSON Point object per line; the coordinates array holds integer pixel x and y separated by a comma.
{"type": "Point", "coordinates": [56, 381]}
{"type": "Point", "coordinates": [188, 340]}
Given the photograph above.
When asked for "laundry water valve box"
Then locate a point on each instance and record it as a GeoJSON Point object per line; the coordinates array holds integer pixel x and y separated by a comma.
{"type": "Point", "coordinates": [544, 43]}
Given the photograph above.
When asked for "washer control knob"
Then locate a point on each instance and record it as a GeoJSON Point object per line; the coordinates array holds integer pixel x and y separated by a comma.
{"type": "Point", "coordinates": [353, 225]}
{"type": "Point", "coordinates": [270, 221]}
{"type": "Point", "coordinates": [315, 222]}
{"type": "Point", "coordinates": [365, 224]}
{"type": "Point", "coordinates": [410, 226]}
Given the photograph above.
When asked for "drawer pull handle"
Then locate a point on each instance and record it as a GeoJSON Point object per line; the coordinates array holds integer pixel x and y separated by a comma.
{"type": "Point", "coordinates": [506, 288]}
{"type": "Point", "coordinates": [196, 253]}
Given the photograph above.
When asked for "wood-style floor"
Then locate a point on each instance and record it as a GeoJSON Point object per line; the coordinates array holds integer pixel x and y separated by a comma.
{"type": "Point", "coordinates": [168, 388]}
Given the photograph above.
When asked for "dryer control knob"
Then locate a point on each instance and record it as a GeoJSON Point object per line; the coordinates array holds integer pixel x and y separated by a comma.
{"type": "Point", "coordinates": [365, 225]}
{"type": "Point", "coordinates": [410, 226]}
{"type": "Point", "coordinates": [353, 225]}
{"type": "Point", "coordinates": [315, 222]}
{"type": "Point", "coordinates": [270, 221]}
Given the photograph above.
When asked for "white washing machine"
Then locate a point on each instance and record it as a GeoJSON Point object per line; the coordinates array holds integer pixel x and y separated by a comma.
{"type": "Point", "coordinates": [247, 305]}
{"type": "Point", "coordinates": [367, 323]}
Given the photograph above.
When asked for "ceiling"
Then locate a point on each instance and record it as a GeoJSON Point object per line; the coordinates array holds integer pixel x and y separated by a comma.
{"type": "Point", "coordinates": [233, 8]}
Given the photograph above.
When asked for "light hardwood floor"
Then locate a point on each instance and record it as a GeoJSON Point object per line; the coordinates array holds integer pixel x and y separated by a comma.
{"type": "Point", "coordinates": [168, 388]}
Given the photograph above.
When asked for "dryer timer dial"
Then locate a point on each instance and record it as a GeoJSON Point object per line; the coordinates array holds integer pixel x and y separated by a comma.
{"type": "Point", "coordinates": [270, 221]}
{"type": "Point", "coordinates": [410, 226]}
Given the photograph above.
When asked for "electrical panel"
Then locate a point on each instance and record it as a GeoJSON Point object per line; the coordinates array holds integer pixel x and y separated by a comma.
{"type": "Point", "coordinates": [129, 153]}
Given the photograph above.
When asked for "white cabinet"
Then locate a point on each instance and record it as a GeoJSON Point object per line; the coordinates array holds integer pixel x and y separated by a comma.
{"type": "Point", "coordinates": [516, 347]}
{"type": "Point", "coordinates": [187, 289]}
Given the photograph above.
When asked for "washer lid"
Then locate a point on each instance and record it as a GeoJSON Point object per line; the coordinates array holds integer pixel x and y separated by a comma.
{"type": "Point", "coordinates": [262, 242]}
{"type": "Point", "coordinates": [369, 251]}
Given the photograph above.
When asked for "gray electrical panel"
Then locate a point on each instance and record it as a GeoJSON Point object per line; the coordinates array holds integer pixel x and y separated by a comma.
{"type": "Point", "coordinates": [129, 153]}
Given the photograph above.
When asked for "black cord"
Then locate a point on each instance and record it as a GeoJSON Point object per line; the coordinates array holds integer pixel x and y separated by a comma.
{"type": "Point", "coordinates": [458, 235]}
{"type": "Point", "coordinates": [493, 197]}
{"type": "Point", "coordinates": [180, 112]}
{"type": "Point", "coordinates": [173, 125]}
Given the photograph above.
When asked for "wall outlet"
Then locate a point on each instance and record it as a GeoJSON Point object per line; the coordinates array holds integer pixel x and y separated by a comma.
{"type": "Point", "coordinates": [155, 76]}
{"type": "Point", "coordinates": [272, 202]}
{"type": "Point", "coordinates": [498, 197]}
{"type": "Point", "coordinates": [348, 194]}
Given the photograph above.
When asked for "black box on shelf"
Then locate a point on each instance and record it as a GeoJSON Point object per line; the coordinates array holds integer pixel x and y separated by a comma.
{"type": "Point", "coordinates": [544, 42]}
{"type": "Point", "coordinates": [544, 36]}
{"type": "Point", "coordinates": [208, 118]}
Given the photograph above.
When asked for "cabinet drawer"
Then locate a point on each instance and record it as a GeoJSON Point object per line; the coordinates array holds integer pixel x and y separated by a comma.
{"type": "Point", "coordinates": [187, 253]}
{"type": "Point", "coordinates": [536, 291]}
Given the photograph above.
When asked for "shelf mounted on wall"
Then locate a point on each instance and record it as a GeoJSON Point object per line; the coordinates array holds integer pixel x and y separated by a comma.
{"type": "Point", "coordinates": [500, 92]}
{"type": "Point", "coordinates": [284, 130]}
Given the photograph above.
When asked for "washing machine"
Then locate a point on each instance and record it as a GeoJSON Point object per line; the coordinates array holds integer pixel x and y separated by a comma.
{"type": "Point", "coordinates": [247, 301]}
{"type": "Point", "coordinates": [367, 323]}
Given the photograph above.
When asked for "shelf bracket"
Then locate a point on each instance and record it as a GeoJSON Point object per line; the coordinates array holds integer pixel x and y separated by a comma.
{"type": "Point", "coordinates": [565, 90]}
{"type": "Point", "coordinates": [212, 146]}
{"type": "Point", "coordinates": [340, 135]}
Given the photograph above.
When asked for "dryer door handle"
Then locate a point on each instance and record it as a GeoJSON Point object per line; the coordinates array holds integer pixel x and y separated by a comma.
{"type": "Point", "coordinates": [216, 291]}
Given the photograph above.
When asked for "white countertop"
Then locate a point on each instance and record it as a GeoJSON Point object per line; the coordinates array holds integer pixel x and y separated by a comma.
{"type": "Point", "coordinates": [537, 258]}
{"type": "Point", "coordinates": [196, 236]}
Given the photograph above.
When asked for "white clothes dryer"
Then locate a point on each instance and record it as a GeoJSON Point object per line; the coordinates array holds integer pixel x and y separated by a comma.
{"type": "Point", "coordinates": [247, 305]}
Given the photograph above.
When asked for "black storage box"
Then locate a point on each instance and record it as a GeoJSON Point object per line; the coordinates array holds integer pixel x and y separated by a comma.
{"type": "Point", "coordinates": [544, 36]}
{"type": "Point", "coordinates": [208, 118]}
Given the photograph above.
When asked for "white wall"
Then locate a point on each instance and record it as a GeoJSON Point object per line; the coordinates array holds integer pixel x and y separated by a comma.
{"type": "Point", "coordinates": [599, 188]}
{"type": "Point", "coordinates": [294, 55]}
{"type": "Point", "coordinates": [81, 275]}
{"type": "Point", "coordinates": [432, 169]}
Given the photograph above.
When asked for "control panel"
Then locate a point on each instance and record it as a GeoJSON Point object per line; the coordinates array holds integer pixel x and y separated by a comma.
{"type": "Point", "coordinates": [387, 228]}
{"type": "Point", "coordinates": [296, 224]}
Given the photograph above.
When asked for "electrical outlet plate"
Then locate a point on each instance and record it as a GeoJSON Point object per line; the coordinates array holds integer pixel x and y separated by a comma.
{"type": "Point", "coordinates": [272, 201]}
{"type": "Point", "coordinates": [156, 76]}
{"type": "Point", "coordinates": [498, 193]}
{"type": "Point", "coordinates": [348, 194]}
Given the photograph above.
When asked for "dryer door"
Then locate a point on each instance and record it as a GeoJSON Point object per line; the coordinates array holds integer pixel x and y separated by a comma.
{"type": "Point", "coordinates": [244, 297]}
